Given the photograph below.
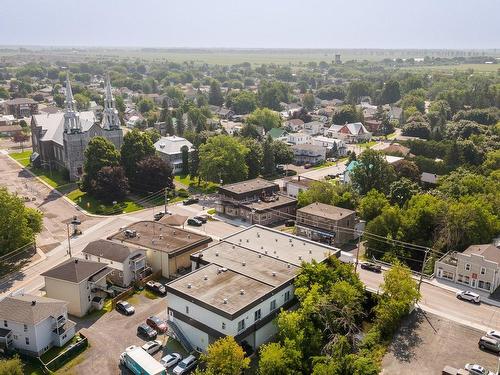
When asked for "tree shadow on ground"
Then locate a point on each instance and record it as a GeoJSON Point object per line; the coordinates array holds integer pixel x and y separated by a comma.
{"type": "Point", "coordinates": [407, 338]}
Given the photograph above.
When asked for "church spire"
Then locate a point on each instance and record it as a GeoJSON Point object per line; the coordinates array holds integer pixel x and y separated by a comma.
{"type": "Point", "coordinates": [110, 120]}
{"type": "Point", "coordinates": [71, 117]}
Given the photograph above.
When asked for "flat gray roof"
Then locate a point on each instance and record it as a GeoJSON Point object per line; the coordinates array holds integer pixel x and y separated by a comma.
{"type": "Point", "coordinates": [278, 200]}
{"type": "Point", "coordinates": [248, 186]}
{"type": "Point", "coordinates": [326, 211]}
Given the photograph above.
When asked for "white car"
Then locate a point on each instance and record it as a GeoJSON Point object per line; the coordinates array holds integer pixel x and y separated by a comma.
{"type": "Point", "coordinates": [186, 365]}
{"type": "Point", "coordinates": [170, 359]}
{"type": "Point", "coordinates": [477, 369]}
{"type": "Point", "coordinates": [469, 296]}
{"type": "Point", "coordinates": [494, 335]}
{"type": "Point", "coordinates": [151, 347]}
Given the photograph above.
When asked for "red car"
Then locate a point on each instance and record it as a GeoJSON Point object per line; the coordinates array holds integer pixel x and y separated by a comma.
{"type": "Point", "coordinates": [157, 324]}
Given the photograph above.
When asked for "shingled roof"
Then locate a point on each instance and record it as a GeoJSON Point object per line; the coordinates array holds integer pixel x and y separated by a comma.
{"type": "Point", "coordinates": [75, 270]}
{"type": "Point", "coordinates": [114, 251]}
{"type": "Point", "coordinates": [27, 309]}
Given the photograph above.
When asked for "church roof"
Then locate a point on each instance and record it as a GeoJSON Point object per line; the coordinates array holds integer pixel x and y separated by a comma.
{"type": "Point", "coordinates": [53, 124]}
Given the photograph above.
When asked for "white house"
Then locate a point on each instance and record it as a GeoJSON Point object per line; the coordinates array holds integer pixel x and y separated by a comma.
{"type": "Point", "coordinates": [128, 263]}
{"type": "Point", "coordinates": [298, 138]}
{"type": "Point", "coordinates": [328, 143]}
{"type": "Point", "coordinates": [350, 133]}
{"type": "Point", "coordinates": [239, 285]}
{"type": "Point", "coordinates": [314, 127]}
{"type": "Point", "coordinates": [170, 150]}
{"type": "Point", "coordinates": [33, 324]}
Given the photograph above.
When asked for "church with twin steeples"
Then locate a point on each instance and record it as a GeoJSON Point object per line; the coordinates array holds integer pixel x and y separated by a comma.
{"type": "Point", "coordinates": [59, 139]}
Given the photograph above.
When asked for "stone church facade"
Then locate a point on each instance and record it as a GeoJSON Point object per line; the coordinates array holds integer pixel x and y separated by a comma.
{"type": "Point", "coordinates": [59, 139]}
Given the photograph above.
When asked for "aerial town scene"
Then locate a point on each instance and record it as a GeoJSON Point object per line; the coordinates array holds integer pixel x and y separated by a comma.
{"type": "Point", "coordinates": [263, 187]}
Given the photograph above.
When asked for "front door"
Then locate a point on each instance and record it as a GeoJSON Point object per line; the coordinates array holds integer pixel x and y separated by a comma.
{"type": "Point", "coordinates": [473, 283]}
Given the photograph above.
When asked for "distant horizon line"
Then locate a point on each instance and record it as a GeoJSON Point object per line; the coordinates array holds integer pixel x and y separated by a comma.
{"type": "Point", "coordinates": [44, 46]}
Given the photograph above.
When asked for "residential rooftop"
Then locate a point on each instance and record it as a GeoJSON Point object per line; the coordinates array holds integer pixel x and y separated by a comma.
{"type": "Point", "coordinates": [76, 270]}
{"type": "Point", "coordinates": [488, 251]}
{"type": "Point", "coordinates": [28, 309]}
{"type": "Point", "coordinates": [274, 201]}
{"type": "Point", "coordinates": [225, 290]}
{"type": "Point", "coordinates": [108, 250]}
{"type": "Point", "coordinates": [248, 186]}
{"type": "Point", "coordinates": [326, 211]}
{"type": "Point", "coordinates": [158, 236]}
{"type": "Point", "coordinates": [262, 267]}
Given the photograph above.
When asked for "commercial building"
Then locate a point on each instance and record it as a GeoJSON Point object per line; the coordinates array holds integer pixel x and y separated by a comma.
{"type": "Point", "coordinates": [170, 150]}
{"type": "Point", "coordinates": [128, 263]}
{"type": "Point", "coordinates": [34, 324]}
{"type": "Point", "coordinates": [79, 282]}
{"type": "Point", "coordinates": [239, 285]}
{"type": "Point", "coordinates": [326, 223]}
{"type": "Point", "coordinates": [167, 248]}
{"type": "Point", "coordinates": [478, 267]}
{"type": "Point", "coordinates": [294, 186]}
{"type": "Point", "coordinates": [256, 201]}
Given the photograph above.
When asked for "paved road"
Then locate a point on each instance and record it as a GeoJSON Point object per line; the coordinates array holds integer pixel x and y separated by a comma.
{"type": "Point", "coordinates": [444, 303]}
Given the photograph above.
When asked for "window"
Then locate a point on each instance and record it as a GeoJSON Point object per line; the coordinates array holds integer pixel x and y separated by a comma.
{"type": "Point", "coordinates": [483, 270]}
{"type": "Point", "coordinates": [223, 325]}
{"type": "Point", "coordinates": [257, 315]}
{"type": "Point", "coordinates": [86, 257]}
{"type": "Point", "coordinates": [467, 267]}
{"type": "Point", "coordinates": [88, 298]}
{"type": "Point", "coordinates": [187, 309]}
{"type": "Point", "coordinates": [273, 305]}
{"type": "Point", "coordinates": [447, 275]}
{"type": "Point", "coordinates": [5, 324]}
{"type": "Point", "coordinates": [27, 340]}
{"type": "Point", "coordinates": [466, 279]}
{"type": "Point", "coordinates": [241, 325]}
{"type": "Point", "coordinates": [481, 284]}
{"type": "Point", "coordinates": [287, 296]}
{"type": "Point", "coordinates": [460, 278]}
{"type": "Point", "coordinates": [25, 328]}
{"type": "Point", "coordinates": [487, 285]}
{"type": "Point", "coordinates": [120, 274]}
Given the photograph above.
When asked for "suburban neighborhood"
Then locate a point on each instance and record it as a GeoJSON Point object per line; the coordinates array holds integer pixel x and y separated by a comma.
{"type": "Point", "coordinates": [250, 210]}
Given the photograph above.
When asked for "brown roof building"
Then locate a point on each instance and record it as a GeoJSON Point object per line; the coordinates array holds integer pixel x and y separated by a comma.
{"type": "Point", "coordinates": [21, 107]}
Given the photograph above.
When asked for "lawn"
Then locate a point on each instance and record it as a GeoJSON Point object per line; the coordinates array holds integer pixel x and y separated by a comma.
{"type": "Point", "coordinates": [206, 187]}
{"type": "Point", "coordinates": [22, 157]}
{"type": "Point", "coordinates": [95, 206]}
{"type": "Point", "coordinates": [55, 351]}
{"type": "Point", "coordinates": [480, 68]}
{"type": "Point", "coordinates": [367, 144]}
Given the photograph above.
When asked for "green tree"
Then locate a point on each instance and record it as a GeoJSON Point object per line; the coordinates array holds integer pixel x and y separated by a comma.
{"type": "Point", "coordinates": [225, 357]}
{"type": "Point", "coordinates": [372, 205]}
{"type": "Point", "coordinates": [372, 172]}
{"type": "Point", "coordinates": [271, 94]}
{"type": "Point", "coordinates": [215, 95]}
{"type": "Point", "coordinates": [308, 101]}
{"type": "Point", "coordinates": [154, 135]}
{"type": "Point", "coordinates": [276, 359]}
{"type": "Point", "coordinates": [145, 105]}
{"type": "Point", "coordinates": [387, 225]}
{"type": "Point", "coordinates": [400, 191]}
{"type": "Point", "coordinates": [254, 157]}
{"type": "Point", "coordinates": [12, 366]}
{"type": "Point", "coordinates": [250, 131]}
{"type": "Point", "coordinates": [223, 157]}
{"type": "Point", "coordinates": [82, 102]}
{"type": "Point", "coordinates": [356, 90]}
{"type": "Point", "coordinates": [110, 184]}
{"type": "Point", "coordinates": [283, 153]}
{"type": "Point", "coordinates": [491, 162]}
{"type": "Point", "coordinates": [185, 159]}
{"type": "Point", "coordinates": [266, 118]}
{"type": "Point", "coordinates": [244, 102]}
{"type": "Point", "coordinates": [98, 154]}
{"type": "Point", "coordinates": [390, 92]}
{"type": "Point", "coordinates": [345, 114]}
{"type": "Point", "coordinates": [408, 169]}
{"type": "Point", "coordinates": [269, 164]}
{"type": "Point", "coordinates": [136, 146]}
{"type": "Point", "coordinates": [153, 174]}
{"type": "Point", "coordinates": [18, 224]}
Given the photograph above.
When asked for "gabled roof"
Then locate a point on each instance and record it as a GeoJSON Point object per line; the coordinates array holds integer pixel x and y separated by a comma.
{"type": "Point", "coordinates": [75, 270]}
{"type": "Point", "coordinates": [172, 144]}
{"type": "Point", "coordinates": [20, 101]}
{"type": "Point", "coordinates": [355, 128]}
{"type": "Point", "coordinates": [27, 309]}
{"type": "Point", "coordinates": [53, 124]}
{"type": "Point", "coordinates": [326, 211]}
{"type": "Point", "coordinates": [108, 250]}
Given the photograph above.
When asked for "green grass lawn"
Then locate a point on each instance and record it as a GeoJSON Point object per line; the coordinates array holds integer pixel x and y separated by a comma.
{"type": "Point", "coordinates": [55, 351]}
{"type": "Point", "coordinates": [205, 187]}
{"type": "Point", "coordinates": [367, 144]}
{"type": "Point", "coordinates": [95, 206]}
{"type": "Point", "coordinates": [22, 157]}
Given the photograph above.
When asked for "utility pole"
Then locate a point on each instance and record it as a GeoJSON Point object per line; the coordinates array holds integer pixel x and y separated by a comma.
{"type": "Point", "coordinates": [422, 270]}
{"type": "Point", "coordinates": [69, 240]}
{"type": "Point", "coordinates": [166, 200]}
{"type": "Point", "coordinates": [357, 253]}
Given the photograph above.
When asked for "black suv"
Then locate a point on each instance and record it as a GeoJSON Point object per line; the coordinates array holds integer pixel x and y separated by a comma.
{"type": "Point", "coordinates": [146, 331]}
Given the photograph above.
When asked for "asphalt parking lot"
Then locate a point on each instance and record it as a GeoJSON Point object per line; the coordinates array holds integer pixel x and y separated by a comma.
{"type": "Point", "coordinates": [110, 334]}
{"type": "Point", "coordinates": [426, 345]}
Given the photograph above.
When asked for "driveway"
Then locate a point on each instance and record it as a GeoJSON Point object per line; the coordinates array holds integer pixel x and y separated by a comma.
{"type": "Point", "coordinates": [425, 344]}
{"type": "Point", "coordinates": [112, 333]}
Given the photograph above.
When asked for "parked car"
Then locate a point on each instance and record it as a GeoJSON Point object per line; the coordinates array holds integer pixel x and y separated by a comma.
{"type": "Point", "coordinates": [201, 218]}
{"type": "Point", "coordinates": [494, 335]}
{"type": "Point", "coordinates": [289, 223]}
{"type": "Point", "coordinates": [125, 308]}
{"type": "Point", "coordinates": [489, 343]}
{"type": "Point", "coordinates": [371, 267]}
{"type": "Point", "coordinates": [189, 201]}
{"type": "Point", "coordinates": [144, 330]}
{"type": "Point", "coordinates": [157, 216]}
{"type": "Point", "coordinates": [186, 365]}
{"type": "Point", "coordinates": [170, 359]}
{"type": "Point", "coordinates": [194, 222]}
{"type": "Point", "coordinates": [151, 347]}
{"type": "Point", "coordinates": [477, 369]}
{"type": "Point", "coordinates": [468, 296]}
{"type": "Point", "coordinates": [156, 287]}
{"type": "Point", "coordinates": [307, 166]}
{"type": "Point", "coordinates": [157, 324]}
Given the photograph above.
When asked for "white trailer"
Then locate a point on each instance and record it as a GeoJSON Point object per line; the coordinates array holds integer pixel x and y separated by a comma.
{"type": "Point", "coordinates": [141, 363]}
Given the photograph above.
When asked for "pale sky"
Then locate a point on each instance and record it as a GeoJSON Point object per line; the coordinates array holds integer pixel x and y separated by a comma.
{"type": "Point", "coordinates": [252, 23]}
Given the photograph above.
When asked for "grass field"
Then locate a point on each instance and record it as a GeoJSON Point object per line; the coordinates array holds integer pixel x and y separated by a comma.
{"type": "Point", "coordinates": [204, 188]}
{"type": "Point", "coordinates": [95, 206]}
{"type": "Point", "coordinates": [482, 68]}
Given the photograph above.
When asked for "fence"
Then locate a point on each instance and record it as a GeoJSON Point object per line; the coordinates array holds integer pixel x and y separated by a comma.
{"type": "Point", "coordinates": [71, 352]}
{"type": "Point", "coordinates": [130, 291]}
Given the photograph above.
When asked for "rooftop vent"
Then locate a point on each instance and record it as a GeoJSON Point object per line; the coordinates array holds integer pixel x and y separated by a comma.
{"type": "Point", "coordinates": [260, 255]}
{"type": "Point", "coordinates": [265, 251]}
{"type": "Point", "coordinates": [225, 301]}
{"type": "Point", "coordinates": [189, 286]}
{"type": "Point", "coordinates": [232, 246]}
{"type": "Point", "coordinates": [276, 240]}
{"type": "Point", "coordinates": [242, 291]}
{"type": "Point", "coordinates": [33, 303]}
{"type": "Point", "coordinates": [300, 257]}
{"type": "Point", "coordinates": [189, 236]}
{"type": "Point", "coordinates": [243, 264]}
{"type": "Point", "coordinates": [288, 265]}
{"type": "Point", "coordinates": [310, 251]}
{"type": "Point", "coordinates": [205, 277]}
{"type": "Point", "coordinates": [216, 253]}
{"type": "Point", "coordinates": [258, 234]}
{"type": "Point", "coordinates": [223, 269]}
{"type": "Point", "coordinates": [161, 236]}
{"type": "Point", "coordinates": [289, 240]}
{"type": "Point", "coordinates": [274, 274]}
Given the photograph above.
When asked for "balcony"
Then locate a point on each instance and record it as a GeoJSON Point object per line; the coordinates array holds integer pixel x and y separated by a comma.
{"type": "Point", "coordinates": [59, 322]}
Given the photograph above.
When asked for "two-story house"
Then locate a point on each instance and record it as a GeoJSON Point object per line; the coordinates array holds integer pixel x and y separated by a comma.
{"type": "Point", "coordinates": [170, 150]}
{"type": "Point", "coordinates": [128, 263]}
{"type": "Point", "coordinates": [21, 107]}
{"type": "Point", "coordinates": [326, 223]}
{"type": "Point", "coordinates": [350, 133]}
{"type": "Point", "coordinates": [308, 154]}
{"type": "Point", "coordinates": [34, 324]}
{"type": "Point", "coordinates": [79, 282]}
{"type": "Point", "coordinates": [239, 286]}
{"type": "Point", "coordinates": [476, 267]}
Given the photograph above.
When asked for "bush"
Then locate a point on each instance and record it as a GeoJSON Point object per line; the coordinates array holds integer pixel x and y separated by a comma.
{"type": "Point", "coordinates": [182, 193]}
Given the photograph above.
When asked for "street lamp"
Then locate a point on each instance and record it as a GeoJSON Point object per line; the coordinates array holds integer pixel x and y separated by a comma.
{"type": "Point", "coordinates": [74, 222]}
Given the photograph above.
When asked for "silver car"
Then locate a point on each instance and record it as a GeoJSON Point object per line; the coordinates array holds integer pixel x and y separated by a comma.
{"type": "Point", "coordinates": [469, 296]}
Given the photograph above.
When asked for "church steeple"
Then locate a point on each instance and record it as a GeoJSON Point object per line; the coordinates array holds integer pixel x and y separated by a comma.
{"type": "Point", "coordinates": [71, 117]}
{"type": "Point", "coordinates": [110, 120]}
